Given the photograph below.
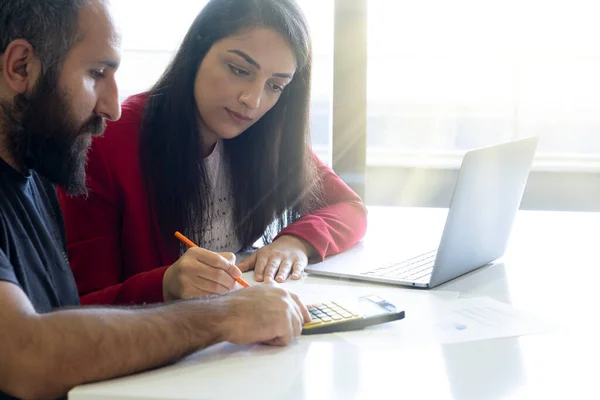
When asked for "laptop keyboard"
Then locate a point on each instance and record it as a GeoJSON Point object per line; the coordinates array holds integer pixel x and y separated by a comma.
{"type": "Point", "coordinates": [412, 269]}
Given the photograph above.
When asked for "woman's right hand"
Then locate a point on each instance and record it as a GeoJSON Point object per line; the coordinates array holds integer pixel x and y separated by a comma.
{"type": "Point", "coordinates": [200, 272]}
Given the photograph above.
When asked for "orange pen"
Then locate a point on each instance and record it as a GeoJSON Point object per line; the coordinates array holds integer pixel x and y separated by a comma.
{"type": "Point", "coordinates": [189, 243]}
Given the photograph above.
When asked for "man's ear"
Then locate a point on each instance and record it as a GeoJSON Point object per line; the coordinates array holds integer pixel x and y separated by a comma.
{"type": "Point", "coordinates": [20, 66]}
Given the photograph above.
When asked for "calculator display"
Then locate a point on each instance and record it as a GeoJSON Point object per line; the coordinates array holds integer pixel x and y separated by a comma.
{"type": "Point", "coordinates": [369, 308]}
{"type": "Point", "coordinates": [374, 305]}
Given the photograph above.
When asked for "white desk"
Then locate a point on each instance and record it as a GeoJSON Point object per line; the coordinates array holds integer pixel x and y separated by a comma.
{"type": "Point", "coordinates": [551, 268]}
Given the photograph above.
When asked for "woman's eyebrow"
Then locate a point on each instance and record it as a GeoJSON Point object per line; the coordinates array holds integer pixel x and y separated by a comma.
{"type": "Point", "coordinates": [251, 61]}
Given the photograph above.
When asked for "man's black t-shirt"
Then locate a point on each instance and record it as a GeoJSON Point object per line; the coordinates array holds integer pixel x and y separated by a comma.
{"type": "Point", "coordinates": [32, 242]}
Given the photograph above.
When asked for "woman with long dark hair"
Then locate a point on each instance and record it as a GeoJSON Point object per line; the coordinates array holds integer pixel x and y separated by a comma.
{"type": "Point", "coordinates": [219, 150]}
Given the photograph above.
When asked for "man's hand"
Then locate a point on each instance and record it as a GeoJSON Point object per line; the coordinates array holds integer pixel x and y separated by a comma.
{"type": "Point", "coordinates": [276, 261]}
{"type": "Point", "coordinates": [200, 272]}
{"type": "Point", "coordinates": [263, 313]}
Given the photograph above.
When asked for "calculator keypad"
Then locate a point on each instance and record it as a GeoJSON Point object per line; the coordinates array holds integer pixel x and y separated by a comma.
{"type": "Point", "coordinates": [328, 313]}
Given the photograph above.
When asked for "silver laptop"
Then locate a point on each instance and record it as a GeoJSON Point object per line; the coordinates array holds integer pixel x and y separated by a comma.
{"type": "Point", "coordinates": [485, 201]}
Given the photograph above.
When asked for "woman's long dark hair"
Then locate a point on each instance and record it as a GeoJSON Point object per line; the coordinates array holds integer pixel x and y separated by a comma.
{"type": "Point", "coordinates": [274, 176]}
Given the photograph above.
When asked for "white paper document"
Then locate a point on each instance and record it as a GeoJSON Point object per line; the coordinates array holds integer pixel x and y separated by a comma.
{"type": "Point", "coordinates": [454, 321]}
{"type": "Point", "coordinates": [484, 318]}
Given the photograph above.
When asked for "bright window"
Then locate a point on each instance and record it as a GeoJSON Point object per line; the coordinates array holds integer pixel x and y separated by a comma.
{"type": "Point", "coordinates": [445, 76]}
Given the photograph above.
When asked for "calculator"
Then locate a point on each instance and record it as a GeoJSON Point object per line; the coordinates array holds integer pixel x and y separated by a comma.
{"type": "Point", "coordinates": [339, 316]}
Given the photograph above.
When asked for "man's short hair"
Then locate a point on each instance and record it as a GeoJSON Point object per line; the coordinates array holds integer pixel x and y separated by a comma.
{"type": "Point", "coordinates": [50, 26]}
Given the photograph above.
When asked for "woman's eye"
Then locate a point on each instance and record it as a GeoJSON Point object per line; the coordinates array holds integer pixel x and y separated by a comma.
{"type": "Point", "coordinates": [97, 74]}
{"type": "Point", "coordinates": [238, 71]}
{"type": "Point", "coordinates": [277, 88]}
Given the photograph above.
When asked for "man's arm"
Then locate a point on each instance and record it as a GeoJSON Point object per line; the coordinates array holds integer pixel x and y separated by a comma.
{"type": "Point", "coordinates": [44, 356]}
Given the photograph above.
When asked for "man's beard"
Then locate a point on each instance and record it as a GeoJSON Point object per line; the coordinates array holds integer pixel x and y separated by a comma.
{"type": "Point", "coordinates": [42, 135]}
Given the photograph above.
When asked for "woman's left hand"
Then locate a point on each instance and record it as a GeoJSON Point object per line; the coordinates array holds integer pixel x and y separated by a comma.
{"type": "Point", "coordinates": [276, 261]}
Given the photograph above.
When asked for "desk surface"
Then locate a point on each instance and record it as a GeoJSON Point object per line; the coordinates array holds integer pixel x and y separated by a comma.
{"type": "Point", "coordinates": [550, 269]}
